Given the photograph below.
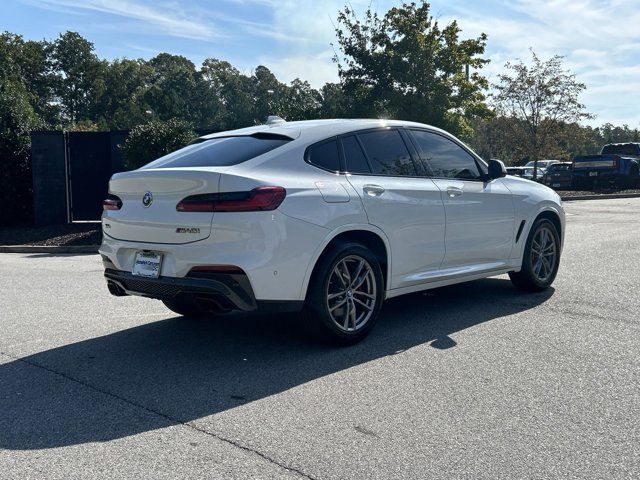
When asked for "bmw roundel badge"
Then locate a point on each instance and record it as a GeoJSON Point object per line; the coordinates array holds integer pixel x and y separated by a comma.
{"type": "Point", "coordinates": [147, 199]}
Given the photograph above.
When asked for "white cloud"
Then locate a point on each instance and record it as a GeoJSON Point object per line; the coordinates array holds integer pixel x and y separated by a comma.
{"type": "Point", "coordinates": [315, 69]}
{"type": "Point", "coordinates": [172, 21]}
{"type": "Point", "coordinates": [598, 38]}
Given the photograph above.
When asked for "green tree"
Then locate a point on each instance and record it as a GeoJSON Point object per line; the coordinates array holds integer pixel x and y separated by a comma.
{"type": "Point", "coordinates": [234, 92]}
{"type": "Point", "coordinates": [17, 119]}
{"type": "Point", "coordinates": [121, 102]}
{"type": "Point", "coordinates": [335, 103]}
{"type": "Point", "coordinates": [618, 134]}
{"type": "Point", "coordinates": [78, 71]}
{"type": "Point", "coordinates": [542, 98]}
{"type": "Point", "coordinates": [179, 91]}
{"type": "Point", "coordinates": [154, 139]}
{"type": "Point", "coordinates": [301, 101]}
{"type": "Point", "coordinates": [405, 65]}
{"type": "Point", "coordinates": [29, 63]}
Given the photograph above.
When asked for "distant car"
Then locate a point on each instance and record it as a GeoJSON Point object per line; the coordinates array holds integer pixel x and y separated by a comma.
{"type": "Point", "coordinates": [558, 175]}
{"type": "Point", "coordinates": [542, 164]}
{"type": "Point", "coordinates": [528, 174]}
{"type": "Point", "coordinates": [615, 167]}
{"type": "Point", "coordinates": [516, 171]}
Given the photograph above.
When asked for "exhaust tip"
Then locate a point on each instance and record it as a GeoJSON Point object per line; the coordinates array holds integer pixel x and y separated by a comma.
{"type": "Point", "coordinates": [116, 290]}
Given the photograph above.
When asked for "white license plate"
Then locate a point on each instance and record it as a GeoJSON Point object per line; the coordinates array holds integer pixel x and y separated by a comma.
{"type": "Point", "coordinates": [147, 264]}
{"type": "Point", "coordinates": [593, 174]}
{"type": "Point", "coordinates": [555, 185]}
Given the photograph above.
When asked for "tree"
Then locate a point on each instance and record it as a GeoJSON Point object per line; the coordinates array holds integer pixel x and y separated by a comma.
{"type": "Point", "coordinates": [405, 65]}
{"type": "Point", "coordinates": [17, 119]}
{"type": "Point", "coordinates": [121, 103]}
{"type": "Point", "coordinates": [154, 139]}
{"type": "Point", "coordinates": [541, 97]}
{"type": "Point", "coordinates": [335, 103]}
{"type": "Point", "coordinates": [29, 63]}
{"type": "Point", "coordinates": [179, 91]}
{"type": "Point", "coordinates": [78, 70]}
{"type": "Point", "coordinates": [301, 101]}
{"type": "Point", "coordinates": [234, 91]}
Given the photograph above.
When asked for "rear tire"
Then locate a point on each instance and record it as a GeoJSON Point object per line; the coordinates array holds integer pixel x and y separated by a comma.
{"type": "Point", "coordinates": [541, 258]}
{"type": "Point", "coordinates": [186, 308]}
{"type": "Point", "coordinates": [345, 295]}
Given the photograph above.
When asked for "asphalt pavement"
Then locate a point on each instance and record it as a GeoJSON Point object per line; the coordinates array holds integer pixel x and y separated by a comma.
{"type": "Point", "coordinates": [471, 381]}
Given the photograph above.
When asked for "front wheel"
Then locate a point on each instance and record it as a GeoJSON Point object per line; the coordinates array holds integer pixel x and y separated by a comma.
{"type": "Point", "coordinates": [541, 258]}
{"type": "Point", "coordinates": [345, 294]}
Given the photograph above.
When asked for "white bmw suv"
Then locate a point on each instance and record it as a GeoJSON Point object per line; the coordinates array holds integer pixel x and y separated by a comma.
{"type": "Point", "coordinates": [331, 217]}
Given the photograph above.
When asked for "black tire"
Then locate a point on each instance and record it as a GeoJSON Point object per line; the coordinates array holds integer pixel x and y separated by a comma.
{"type": "Point", "coordinates": [187, 308]}
{"type": "Point", "coordinates": [318, 318]}
{"type": "Point", "coordinates": [526, 279]}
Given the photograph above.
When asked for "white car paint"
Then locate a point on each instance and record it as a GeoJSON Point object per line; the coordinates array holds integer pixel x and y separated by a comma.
{"type": "Point", "coordinates": [436, 231]}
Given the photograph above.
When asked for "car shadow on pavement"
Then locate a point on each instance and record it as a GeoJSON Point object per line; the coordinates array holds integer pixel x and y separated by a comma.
{"type": "Point", "coordinates": [183, 369]}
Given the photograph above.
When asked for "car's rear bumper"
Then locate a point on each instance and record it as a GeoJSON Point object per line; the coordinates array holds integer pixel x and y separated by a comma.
{"type": "Point", "coordinates": [220, 291]}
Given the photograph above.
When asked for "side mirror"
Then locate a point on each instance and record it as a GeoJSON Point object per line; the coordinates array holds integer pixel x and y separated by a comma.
{"type": "Point", "coordinates": [496, 169]}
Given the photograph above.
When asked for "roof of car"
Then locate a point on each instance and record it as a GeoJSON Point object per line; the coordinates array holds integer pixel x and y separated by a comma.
{"type": "Point", "coordinates": [314, 130]}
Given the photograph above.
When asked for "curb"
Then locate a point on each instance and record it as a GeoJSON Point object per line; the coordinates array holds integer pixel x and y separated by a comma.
{"type": "Point", "coordinates": [603, 196]}
{"type": "Point", "coordinates": [49, 249]}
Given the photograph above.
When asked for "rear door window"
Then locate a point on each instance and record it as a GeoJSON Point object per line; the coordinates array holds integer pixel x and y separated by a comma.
{"type": "Point", "coordinates": [387, 153]}
{"type": "Point", "coordinates": [220, 152]}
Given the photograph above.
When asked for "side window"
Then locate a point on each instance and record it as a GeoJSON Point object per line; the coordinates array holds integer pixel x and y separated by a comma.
{"type": "Point", "coordinates": [354, 158]}
{"type": "Point", "coordinates": [387, 153]}
{"type": "Point", "coordinates": [446, 159]}
{"type": "Point", "coordinates": [325, 155]}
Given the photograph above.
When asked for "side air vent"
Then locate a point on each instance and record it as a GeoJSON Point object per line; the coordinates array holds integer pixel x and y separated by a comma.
{"type": "Point", "coordinates": [519, 231]}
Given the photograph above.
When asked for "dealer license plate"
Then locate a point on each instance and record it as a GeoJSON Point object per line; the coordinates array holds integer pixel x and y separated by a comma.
{"type": "Point", "coordinates": [555, 185]}
{"type": "Point", "coordinates": [147, 264]}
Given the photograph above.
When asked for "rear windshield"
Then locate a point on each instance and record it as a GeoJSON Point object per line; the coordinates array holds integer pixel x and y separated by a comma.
{"type": "Point", "coordinates": [624, 149]}
{"type": "Point", "coordinates": [219, 152]}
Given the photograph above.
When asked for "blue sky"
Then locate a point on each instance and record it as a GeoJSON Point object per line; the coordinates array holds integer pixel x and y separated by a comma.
{"type": "Point", "coordinates": [599, 38]}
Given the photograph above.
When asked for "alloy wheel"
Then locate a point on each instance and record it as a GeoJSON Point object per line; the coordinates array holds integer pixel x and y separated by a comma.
{"type": "Point", "coordinates": [351, 293]}
{"type": "Point", "coordinates": [544, 253]}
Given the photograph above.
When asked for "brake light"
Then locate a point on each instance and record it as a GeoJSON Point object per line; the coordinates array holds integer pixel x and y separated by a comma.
{"type": "Point", "coordinates": [112, 203]}
{"type": "Point", "coordinates": [256, 200]}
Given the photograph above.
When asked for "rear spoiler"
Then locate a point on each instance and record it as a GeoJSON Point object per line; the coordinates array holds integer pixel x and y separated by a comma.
{"type": "Point", "coordinates": [265, 135]}
{"type": "Point", "coordinates": [281, 131]}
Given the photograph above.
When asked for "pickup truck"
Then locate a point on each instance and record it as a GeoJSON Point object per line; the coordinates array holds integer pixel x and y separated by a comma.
{"type": "Point", "coordinates": [615, 167]}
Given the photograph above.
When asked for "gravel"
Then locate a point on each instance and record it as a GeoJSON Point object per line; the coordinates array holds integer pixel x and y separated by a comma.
{"type": "Point", "coordinates": [53, 235]}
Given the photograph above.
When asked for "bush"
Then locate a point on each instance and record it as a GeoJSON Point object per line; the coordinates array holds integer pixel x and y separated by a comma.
{"type": "Point", "coordinates": [153, 140]}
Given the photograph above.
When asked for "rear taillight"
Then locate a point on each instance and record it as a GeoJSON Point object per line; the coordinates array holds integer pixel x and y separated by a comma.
{"type": "Point", "coordinates": [112, 203]}
{"type": "Point", "coordinates": [258, 199]}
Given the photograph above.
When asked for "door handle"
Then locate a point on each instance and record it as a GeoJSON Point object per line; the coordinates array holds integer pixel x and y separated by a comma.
{"type": "Point", "coordinates": [454, 192]}
{"type": "Point", "coordinates": [373, 190]}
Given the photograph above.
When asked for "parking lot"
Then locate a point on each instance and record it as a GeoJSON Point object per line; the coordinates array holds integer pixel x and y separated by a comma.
{"type": "Point", "coordinates": [470, 381]}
